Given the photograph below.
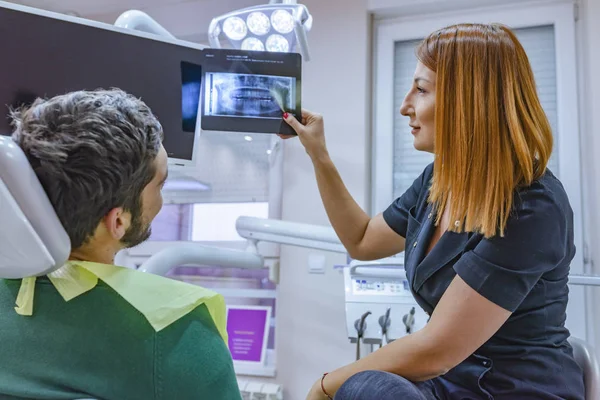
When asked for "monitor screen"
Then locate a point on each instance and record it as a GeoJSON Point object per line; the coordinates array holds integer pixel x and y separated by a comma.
{"type": "Point", "coordinates": [44, 56]}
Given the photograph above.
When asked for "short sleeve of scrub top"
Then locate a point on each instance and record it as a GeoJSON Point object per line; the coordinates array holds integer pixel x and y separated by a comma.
{"type": "Point", "coordinates": [505, 268]}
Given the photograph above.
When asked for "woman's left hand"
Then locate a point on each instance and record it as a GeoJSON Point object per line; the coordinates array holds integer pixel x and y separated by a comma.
{"type": "Point", "coordinates": [316, 393]}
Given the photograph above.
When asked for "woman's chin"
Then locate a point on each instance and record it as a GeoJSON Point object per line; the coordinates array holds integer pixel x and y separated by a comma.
{"type": "Point", "coordinates": [419, 145]}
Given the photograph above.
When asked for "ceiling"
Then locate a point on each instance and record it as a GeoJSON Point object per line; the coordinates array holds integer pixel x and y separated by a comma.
{"type": "Point", "coordinates": [88, 8]}
{"type": "Point", "coordinates": [186, 19]}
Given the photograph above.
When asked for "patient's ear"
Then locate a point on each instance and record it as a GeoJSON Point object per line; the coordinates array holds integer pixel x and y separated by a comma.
{"type": "Point", "coordinates": [117, 221]}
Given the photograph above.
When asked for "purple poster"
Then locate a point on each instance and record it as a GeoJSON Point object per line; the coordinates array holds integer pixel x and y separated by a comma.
{"type": "Point", "coordinates": [248, 330]}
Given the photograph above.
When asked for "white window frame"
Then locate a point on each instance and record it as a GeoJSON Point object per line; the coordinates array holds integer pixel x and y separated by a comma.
{"type": "Point", "coordinates": [560, 14]}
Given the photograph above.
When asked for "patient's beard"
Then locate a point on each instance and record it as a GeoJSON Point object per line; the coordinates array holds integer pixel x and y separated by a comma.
{"type": "Point", "coordinates": [137, 233]}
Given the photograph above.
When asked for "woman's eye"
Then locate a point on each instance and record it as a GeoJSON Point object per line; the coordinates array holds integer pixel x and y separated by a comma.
{"type": "Point", "coordinates": [420, 90]}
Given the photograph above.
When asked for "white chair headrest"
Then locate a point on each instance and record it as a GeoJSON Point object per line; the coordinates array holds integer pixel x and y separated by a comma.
{"type": "Point", "coordinates": [32, 240]}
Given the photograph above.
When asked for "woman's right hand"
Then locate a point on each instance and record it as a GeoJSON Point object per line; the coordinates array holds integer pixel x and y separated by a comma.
{"type": "Point", "coordinates": [311, 133]}
{"type": "Point", "coordinates": [363, 237]}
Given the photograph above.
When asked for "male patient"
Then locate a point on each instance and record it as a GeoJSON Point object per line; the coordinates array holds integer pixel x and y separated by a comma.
{"type": "Point", "coordinates": [100, 159]}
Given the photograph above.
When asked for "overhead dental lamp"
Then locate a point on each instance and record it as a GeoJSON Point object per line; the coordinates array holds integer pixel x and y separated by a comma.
{"type": "Point", "coordinates": [140, 21]}
{"type": "Point", "coordinates": [276, 27]}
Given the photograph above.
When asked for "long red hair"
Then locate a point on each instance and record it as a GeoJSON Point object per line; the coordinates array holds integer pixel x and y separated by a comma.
{"type": "Point", "coordinates": [491, 133]}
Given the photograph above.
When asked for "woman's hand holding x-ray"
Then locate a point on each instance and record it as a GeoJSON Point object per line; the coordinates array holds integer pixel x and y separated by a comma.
{"type": "Point", "coordinates": [311, 133]}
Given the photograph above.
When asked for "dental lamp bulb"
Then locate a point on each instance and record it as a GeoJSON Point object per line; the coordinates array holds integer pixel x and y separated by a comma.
{"type": "Point", "coordinates": [253, 44]}
{"type": "Point", "coordinates": [258, 23]}
{"type": "Point", "coordinates": [278, 43]}
{"type": "Point", "coordinates": [282, 21]}
{"type": "Point", "coordinates": [235, 28]}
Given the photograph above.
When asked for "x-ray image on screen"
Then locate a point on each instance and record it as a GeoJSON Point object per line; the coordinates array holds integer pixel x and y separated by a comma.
{"type": "Point", "coordinates": [249, 96]}
{"type": "Point", "coordinates": [248, 91]}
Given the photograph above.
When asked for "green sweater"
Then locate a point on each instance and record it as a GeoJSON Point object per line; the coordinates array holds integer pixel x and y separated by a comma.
{"type": "Point", "coordinates": [98, 346]}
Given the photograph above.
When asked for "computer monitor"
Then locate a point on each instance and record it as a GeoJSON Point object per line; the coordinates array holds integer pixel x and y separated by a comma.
{"type": "Point", "coordinates": [44, 54]}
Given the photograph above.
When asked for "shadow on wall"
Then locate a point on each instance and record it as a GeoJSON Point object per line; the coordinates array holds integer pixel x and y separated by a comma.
{"type": "Point", "coordinates": [22, 99]}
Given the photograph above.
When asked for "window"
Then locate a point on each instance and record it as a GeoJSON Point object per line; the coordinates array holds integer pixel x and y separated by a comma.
{"type": "Point", "coordinates": [216, 221]}
{"type": "Point", "coordinates": [547, 33]}
{"type": "Point", "coordinates": [204, 222]}
{"type": "Point", "coordinates": [232, 178]}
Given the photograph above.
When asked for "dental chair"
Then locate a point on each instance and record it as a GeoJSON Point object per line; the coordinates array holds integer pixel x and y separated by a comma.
{"type": "Point", "coordinates": [587, 360]}
{"type": "Point", "coordinates": [33, 242]}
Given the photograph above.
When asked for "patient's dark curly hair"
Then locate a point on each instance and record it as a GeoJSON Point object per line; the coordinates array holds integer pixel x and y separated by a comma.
{"type": "Point", "coordinates": [92, 151]}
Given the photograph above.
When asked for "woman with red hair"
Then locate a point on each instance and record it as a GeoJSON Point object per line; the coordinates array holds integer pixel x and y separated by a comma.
{"type": "Point", "coordinates": [487, 232]}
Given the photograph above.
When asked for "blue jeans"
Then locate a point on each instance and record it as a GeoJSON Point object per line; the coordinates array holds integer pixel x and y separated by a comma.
{"type": "Point", "coordinates": [379, 385]}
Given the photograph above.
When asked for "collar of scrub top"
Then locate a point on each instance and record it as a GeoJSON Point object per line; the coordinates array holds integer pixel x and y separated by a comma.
{"type": "Point", "coordinates": [421, 265]}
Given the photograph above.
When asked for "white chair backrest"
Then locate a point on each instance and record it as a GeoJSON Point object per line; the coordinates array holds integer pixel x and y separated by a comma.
{"type": "Point", "coordinates": [32, 240]}
{"type": "Point", "coordinates": [586, 358]}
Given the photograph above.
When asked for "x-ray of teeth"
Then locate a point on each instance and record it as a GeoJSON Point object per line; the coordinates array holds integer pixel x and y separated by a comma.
{"type": "Point", "coordinates": [253, 96]}
{"type": "Point", "coordinates": [248, 91]}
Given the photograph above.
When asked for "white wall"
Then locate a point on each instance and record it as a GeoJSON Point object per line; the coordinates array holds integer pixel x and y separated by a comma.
{"type": "Point", "coordinates": [187, 20]}
{"type": "Point", "coordinates": [588, 31]}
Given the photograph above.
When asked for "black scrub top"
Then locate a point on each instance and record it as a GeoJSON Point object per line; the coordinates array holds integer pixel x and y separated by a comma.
{"type": "Point", "coordinates": [524, 272]}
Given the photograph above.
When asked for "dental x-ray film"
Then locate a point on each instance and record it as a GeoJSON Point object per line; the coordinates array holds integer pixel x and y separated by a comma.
{"type": "Point", "coordinates": [248, 91]}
